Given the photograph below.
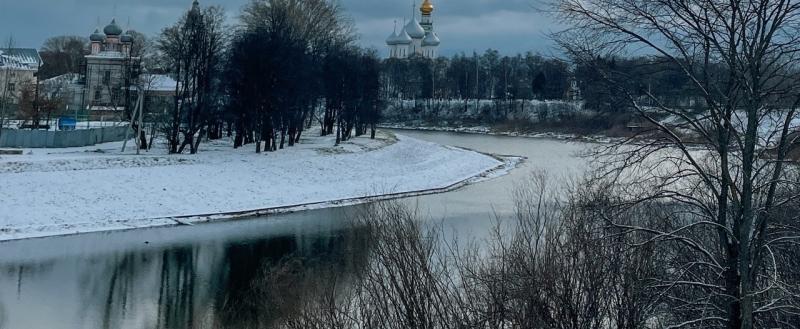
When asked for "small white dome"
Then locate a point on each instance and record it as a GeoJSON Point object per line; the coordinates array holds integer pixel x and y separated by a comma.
{"type": "Point", "coordinates": [392, 39]}
{"type": "Point", "coordinates": [403, 38]}
{"type": "Point", "coordinates": [431, 40]}
{"type": "Point", "coordinates": [415, 30]}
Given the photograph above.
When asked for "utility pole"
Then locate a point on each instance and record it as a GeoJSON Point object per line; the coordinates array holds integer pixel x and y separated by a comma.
{"type": "Point", "coordinates": [36, 97]}
{"type": "Point", "coordinates": [137, 114]}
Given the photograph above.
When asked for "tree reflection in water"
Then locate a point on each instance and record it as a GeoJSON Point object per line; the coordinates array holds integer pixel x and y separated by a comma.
{"type": "Point", "coordinates": [249, 283]}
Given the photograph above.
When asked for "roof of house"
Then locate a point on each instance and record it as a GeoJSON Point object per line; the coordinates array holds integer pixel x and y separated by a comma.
{"type": "Point", "coordinates": [20, 58]}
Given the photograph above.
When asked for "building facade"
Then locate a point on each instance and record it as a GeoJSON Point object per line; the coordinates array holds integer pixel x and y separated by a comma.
{"type": "Point", "coordinates": [159, 91]}
{"type": "Point", "coordinates": [110, 70]}
{"type": "Point", "coordinates": [18, 66]}
{"type": "Point", "coordinates": [417, 37]}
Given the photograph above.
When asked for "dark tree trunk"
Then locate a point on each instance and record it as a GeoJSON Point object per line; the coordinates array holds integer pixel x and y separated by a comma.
{"type": "Point", "coordinates": [143, 140]}
{"type": "Point", "coordinates": [283, 137]}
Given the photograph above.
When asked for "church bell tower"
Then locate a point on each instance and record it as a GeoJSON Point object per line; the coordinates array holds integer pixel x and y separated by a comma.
{"type": "Point", "coordinates": [427, 22]}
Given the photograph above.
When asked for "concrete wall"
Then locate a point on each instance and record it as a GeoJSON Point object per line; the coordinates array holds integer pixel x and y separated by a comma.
{"type": "Point", "coordinates": [61, 139]}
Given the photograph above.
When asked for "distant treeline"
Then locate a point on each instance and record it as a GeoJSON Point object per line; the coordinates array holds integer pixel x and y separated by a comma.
{"type": "Point", "coordinates": [490, 76]}
{"type": "Point", "coordinates": [477, 76]}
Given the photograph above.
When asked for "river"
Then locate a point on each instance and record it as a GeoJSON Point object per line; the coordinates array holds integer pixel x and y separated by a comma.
{"type": "Point", "coordinates": [239, 274]}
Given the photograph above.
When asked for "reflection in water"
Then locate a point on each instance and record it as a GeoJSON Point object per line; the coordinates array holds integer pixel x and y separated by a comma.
{"type": "Point", "coordinates": [259, 293]}
{"type": "Point", "coordinates": [242, 281]}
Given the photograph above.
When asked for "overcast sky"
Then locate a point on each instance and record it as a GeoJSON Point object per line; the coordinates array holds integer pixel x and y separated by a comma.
{"type": "Point", "coordinates": [510, 26]}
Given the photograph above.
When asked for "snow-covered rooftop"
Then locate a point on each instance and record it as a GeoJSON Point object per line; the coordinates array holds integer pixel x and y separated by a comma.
{"type": "Point", "coordinates": [20, 58]}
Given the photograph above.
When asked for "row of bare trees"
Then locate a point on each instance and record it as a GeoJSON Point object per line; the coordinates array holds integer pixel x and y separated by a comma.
{"type": "Point", "coordinates": [267, 78]}
{"type": "Point", "coordinates": [489, 75]}
{"type": "Point", "coordinates": [290, 59]}
{"type": "Point", "coordinates": [352, 93]}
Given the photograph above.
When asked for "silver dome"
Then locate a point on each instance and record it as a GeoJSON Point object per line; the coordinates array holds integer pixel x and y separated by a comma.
{"type": "Point", "coordinates": [431, 39]}
{"type": "Point", "coordinates": [392, 39]}
{"type": "Point", "coordinates": [415, 30]}
{"type": "Point", "coordinates": [403, 38]}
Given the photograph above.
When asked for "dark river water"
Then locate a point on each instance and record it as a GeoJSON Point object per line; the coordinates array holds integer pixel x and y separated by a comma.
{"type": "Point", "coordinates": [239, 274]}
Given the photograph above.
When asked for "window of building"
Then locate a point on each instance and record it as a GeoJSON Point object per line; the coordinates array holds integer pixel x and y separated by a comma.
{"type": "Point", "coordinates": [107, 78]}
{"type": "Point", "coordinates": [97, 95]}
{"type": "Point", "coordinates": [11, 87]}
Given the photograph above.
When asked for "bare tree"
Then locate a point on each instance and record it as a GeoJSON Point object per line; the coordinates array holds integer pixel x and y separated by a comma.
{"type": "Point", "coordinates": [137, 55]}
{"type": "Point", "coordinates": [62, 54]}
{"type": "Point", "coordinates": [4, 98]}
{"type": "Point", "coordinates": [725, 166]}
{"type": "Point", "coordinates": [321, 24]}
{"type": "Point", "coordinates": [192, 50]}
{"type": "Point", "coordinates": [277, 68]}
{"type": "Point", "coordinates": [556, 265]}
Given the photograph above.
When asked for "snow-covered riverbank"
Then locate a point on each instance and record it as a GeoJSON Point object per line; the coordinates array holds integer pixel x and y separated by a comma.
{"type": "Point", "coordinates": [65, 191]}
{"type": "Point", "coordinates": [486, 130]}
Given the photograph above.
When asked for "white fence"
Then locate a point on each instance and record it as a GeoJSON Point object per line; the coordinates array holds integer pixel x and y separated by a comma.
{"type": "Point", "coordinates": [60, 139]}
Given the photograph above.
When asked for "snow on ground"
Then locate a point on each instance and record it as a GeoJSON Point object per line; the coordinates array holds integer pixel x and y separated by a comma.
{"type": "Point", "coordinates": [62, 191]}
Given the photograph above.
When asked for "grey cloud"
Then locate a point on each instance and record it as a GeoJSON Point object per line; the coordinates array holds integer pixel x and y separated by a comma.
{"type": "Point", "coordinates": [464, 25]}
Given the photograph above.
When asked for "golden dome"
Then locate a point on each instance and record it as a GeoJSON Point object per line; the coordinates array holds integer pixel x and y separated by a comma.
{"type": "Point", "coordinates": [427, 7]}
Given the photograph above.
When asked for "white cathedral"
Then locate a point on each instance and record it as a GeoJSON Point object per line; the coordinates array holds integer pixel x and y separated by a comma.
{"type": "Point", "coordinates": [416, 37]}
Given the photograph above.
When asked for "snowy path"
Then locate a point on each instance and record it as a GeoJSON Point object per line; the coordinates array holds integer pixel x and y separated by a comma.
{"type": "Point", "coordinates": [53, 192]}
